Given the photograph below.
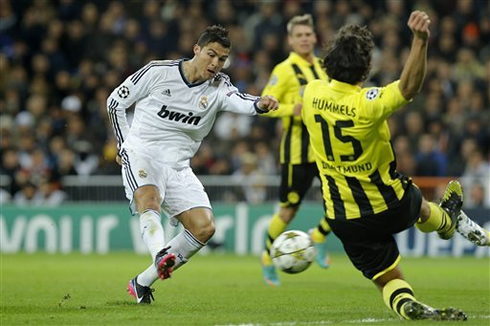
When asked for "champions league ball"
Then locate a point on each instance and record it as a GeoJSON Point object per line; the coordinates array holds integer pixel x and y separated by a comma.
{"type": "Point", "coordinates": [293, 251]}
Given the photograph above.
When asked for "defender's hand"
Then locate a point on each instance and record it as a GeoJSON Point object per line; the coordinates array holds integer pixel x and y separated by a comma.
{"type": "Point", "coordinates": [297, 109]}
{"type": "Point", "coordinates": [118, 160]}
{"type": "Point", "coordinates": [268, 103]}
{"type": "Point", "coordinates": [419, 24]}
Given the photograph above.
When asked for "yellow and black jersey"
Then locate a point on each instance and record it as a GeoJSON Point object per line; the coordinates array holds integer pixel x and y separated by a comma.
{"type": "Point", "coordinates": [286, 83]}
{"type": "Point", "coordinates": [351, 141]}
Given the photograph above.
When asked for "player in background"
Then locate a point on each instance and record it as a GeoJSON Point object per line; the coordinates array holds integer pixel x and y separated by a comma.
{"type": "Point", "coordinates": [176, 105]}
{"type": "Point", "coordinates": [366, 199]}
{"type": "Point", "coordinates": [298, 167]}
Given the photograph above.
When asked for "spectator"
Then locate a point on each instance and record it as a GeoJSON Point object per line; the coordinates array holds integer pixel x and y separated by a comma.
{"type": "Point", "coordinates": [58, 60]}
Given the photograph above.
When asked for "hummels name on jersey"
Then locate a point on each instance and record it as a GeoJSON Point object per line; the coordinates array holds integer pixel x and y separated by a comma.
{"type": "Point", "coordinates": [322, 104]}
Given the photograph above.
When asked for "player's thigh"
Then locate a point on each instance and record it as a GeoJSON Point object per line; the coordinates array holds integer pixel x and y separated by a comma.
{"type": "Point", "coordinates": [295, 182]}
{"type": "Point", "coordinates": [369, 241]}
{"type": "Point", "coordinates": [184, 192]}
{"type": "Point", "coordinates": [138, 172]}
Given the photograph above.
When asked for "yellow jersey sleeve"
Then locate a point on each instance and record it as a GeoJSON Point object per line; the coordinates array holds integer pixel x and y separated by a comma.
{"type": "Point", "coordinates": [380, 102]}
{"type": "Point", "coordinates": [279, 86]}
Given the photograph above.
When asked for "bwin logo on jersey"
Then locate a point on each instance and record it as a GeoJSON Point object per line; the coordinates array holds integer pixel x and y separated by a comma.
{"type": "Point", "coordinates": [189, 119]}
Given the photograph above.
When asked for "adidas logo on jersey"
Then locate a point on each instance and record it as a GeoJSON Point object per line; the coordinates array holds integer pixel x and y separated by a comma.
{"type": "Point", "coordinates": [189, 119]}
{"type": "Point", "coordinates": [166, 92]}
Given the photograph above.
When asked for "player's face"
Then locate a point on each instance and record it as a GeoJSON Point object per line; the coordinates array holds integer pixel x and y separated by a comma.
{"type": "Point", "coordinates": [210, 59]}
{"type": "Point", "coordinates": [302, 39]}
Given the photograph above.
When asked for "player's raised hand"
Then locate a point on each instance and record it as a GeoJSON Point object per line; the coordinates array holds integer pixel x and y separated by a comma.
{"type": "Point", "coordinates": [419, 24]}
{"type": "Point", "coordinates": [268, 103]}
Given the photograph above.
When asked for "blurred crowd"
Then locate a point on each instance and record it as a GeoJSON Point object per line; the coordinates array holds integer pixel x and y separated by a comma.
{"type": "Point", "coordinates": [60, 60]}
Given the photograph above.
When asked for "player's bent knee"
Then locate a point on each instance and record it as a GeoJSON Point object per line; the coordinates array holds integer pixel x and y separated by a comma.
{"type": "Point", "coordinates": [147, 197]}
{"type": "Point", "coordinates": [205, 231]}
{"type": "Point", "coordinates": [424, 211]}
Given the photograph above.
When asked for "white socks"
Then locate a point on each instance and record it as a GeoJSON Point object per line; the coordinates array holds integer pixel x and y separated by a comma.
{"type": "Point", "coordinates": [148, 277]}
{"type": "Point", "coordinates": [184, 246]}
{"type": "Point", "coordinates": [152, 231]}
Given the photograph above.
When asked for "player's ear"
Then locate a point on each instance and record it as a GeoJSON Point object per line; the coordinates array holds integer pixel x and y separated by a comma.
{"type": "Point", "coordinates": [196, 49]}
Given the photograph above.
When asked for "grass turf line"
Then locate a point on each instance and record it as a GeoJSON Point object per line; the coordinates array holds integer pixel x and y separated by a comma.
{"type": "Point", "coordinates": [76, 289]}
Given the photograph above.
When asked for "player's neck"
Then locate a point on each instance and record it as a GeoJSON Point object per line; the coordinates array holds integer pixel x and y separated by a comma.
{"type": "Point", "coordinates": [307, 56]}
{"type": "Point", "coordinates": [191, 72]}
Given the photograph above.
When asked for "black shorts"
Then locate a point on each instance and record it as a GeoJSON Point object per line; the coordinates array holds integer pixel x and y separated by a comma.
{"type": "Point", "coordinates": [369, 241]}
{"type": "Point", "coordinates": [295, 182]}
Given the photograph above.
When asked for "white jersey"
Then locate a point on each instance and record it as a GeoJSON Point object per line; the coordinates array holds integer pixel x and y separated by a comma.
{"type": "Point", "coordinates": [172, 116]}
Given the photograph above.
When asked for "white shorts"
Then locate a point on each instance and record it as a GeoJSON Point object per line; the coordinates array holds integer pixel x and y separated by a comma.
{"type": "Point", "coordinates": [180, 189]}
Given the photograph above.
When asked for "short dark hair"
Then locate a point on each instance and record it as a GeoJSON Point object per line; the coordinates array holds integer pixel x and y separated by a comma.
{"type": "Point", "coordinates": [215, 33]}
{"type": "Point", "coordinates": [348, 58]}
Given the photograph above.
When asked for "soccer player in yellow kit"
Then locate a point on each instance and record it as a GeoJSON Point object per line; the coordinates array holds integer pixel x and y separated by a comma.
{"type": "Point", "coordinates": [366, 199]}
{"type": "Point", "coordinates": [298, 168]}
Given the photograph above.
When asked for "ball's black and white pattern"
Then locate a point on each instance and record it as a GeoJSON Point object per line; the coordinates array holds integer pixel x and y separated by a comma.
{"type": "Point", "coordinates": [372, 93]}
{"type": "Point", "coordinates": [123, 92]}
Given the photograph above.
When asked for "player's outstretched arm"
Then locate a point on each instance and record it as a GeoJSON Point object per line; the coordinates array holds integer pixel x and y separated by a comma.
{"type": "Point", "coordinates": [268, 103]}
{"type": "Point", "coordinates": [413, 73]}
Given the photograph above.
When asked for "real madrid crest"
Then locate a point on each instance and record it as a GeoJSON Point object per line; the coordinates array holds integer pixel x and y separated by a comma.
{"type": "Point", "coordinates": [203, 102]}
{"type": "Point", "coordinates": [142, 173]}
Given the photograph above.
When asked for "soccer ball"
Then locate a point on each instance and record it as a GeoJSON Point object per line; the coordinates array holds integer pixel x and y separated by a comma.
{"type": "Point", "coordinates": [293, 251]}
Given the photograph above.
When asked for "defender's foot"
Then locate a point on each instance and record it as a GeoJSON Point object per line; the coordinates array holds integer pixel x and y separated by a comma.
{"type": "Point", "coordinates": [164, 262]}
{"type": "Point", "coordinates": [142, 294]}
{"type": "Point", "coordinates": [322, 258]}
{"type": "Point", "coordinates": [452, 202]}
{"type": "Point", "coordinates": [472, 231]}
{"type": "Point", "coordinates": [416, 311]}
{"type": "Point", "coordinates": [269, 270]}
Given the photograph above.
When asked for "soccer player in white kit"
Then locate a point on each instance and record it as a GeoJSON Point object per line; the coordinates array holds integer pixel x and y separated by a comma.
{"type": "Point", "coordinates": [176, 105]}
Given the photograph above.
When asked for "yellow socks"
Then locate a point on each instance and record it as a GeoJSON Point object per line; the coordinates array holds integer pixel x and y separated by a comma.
{"type": "Point", "coordinates": [438, 221]}
{"type": "Point", "coordinates": [396, 293]}
{"type": "Point", "coordinates": [320, 232]}
{"type": "Point", "coordinates": [276, 227]}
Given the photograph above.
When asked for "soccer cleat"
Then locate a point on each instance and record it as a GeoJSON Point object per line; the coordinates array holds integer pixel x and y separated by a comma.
{"type": "Point", "coordinates": [269, 270]}
{"type": "Point", "coordinates": [164, 261]}
{"type": "Point", "coordinates": [472, 231]}
{"type": "Point", "coordinates": [142, 294]}
{"type": "Point", "coordinates": [322, 258]}
{"type": "Point", "coordinates": [416, 311]}
{"type": "Point", "coordinates": [451, 202]}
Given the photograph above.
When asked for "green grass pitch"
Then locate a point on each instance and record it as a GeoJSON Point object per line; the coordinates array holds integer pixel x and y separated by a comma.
{"type": "Point", "coordinates": [42, 289]}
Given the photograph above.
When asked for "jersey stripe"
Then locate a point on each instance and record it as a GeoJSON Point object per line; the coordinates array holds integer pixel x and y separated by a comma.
{"type": "Point", "coordinates": [115, 122]}
{"type": "Point", "coordinates": [299, 75]}
{"type": "Point", "coordinates": [137, 76]}
{"type": "Point", "coordinates": [287, 140]}
{"type": "Point", "coordinates": [305, 137]}
{"type": "Point", "coordinates": [246, 97]}
{"type": "Point", "coordinates": [338, 203]}
{"type": "Point", "coordinates": [133, 184]}
{"type": "Point", "coordinates": [314, 72]}
{"type": "Point", "coordinates": [388, 193]}
{"type": "Point", "coordinates": [305, 141]}
{"type": "Point", "coordinates": [360, 196]}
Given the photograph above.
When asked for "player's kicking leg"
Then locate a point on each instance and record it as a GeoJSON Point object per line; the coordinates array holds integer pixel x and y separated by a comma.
{"type": "Point", "coordinates": [276, 227]}
{"type": "Point", "coordinates": [319, 236]}
{"type": "Point", "coordinates": [452, 203]}
{"type": "Point", "coordinates": [164, 262]}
